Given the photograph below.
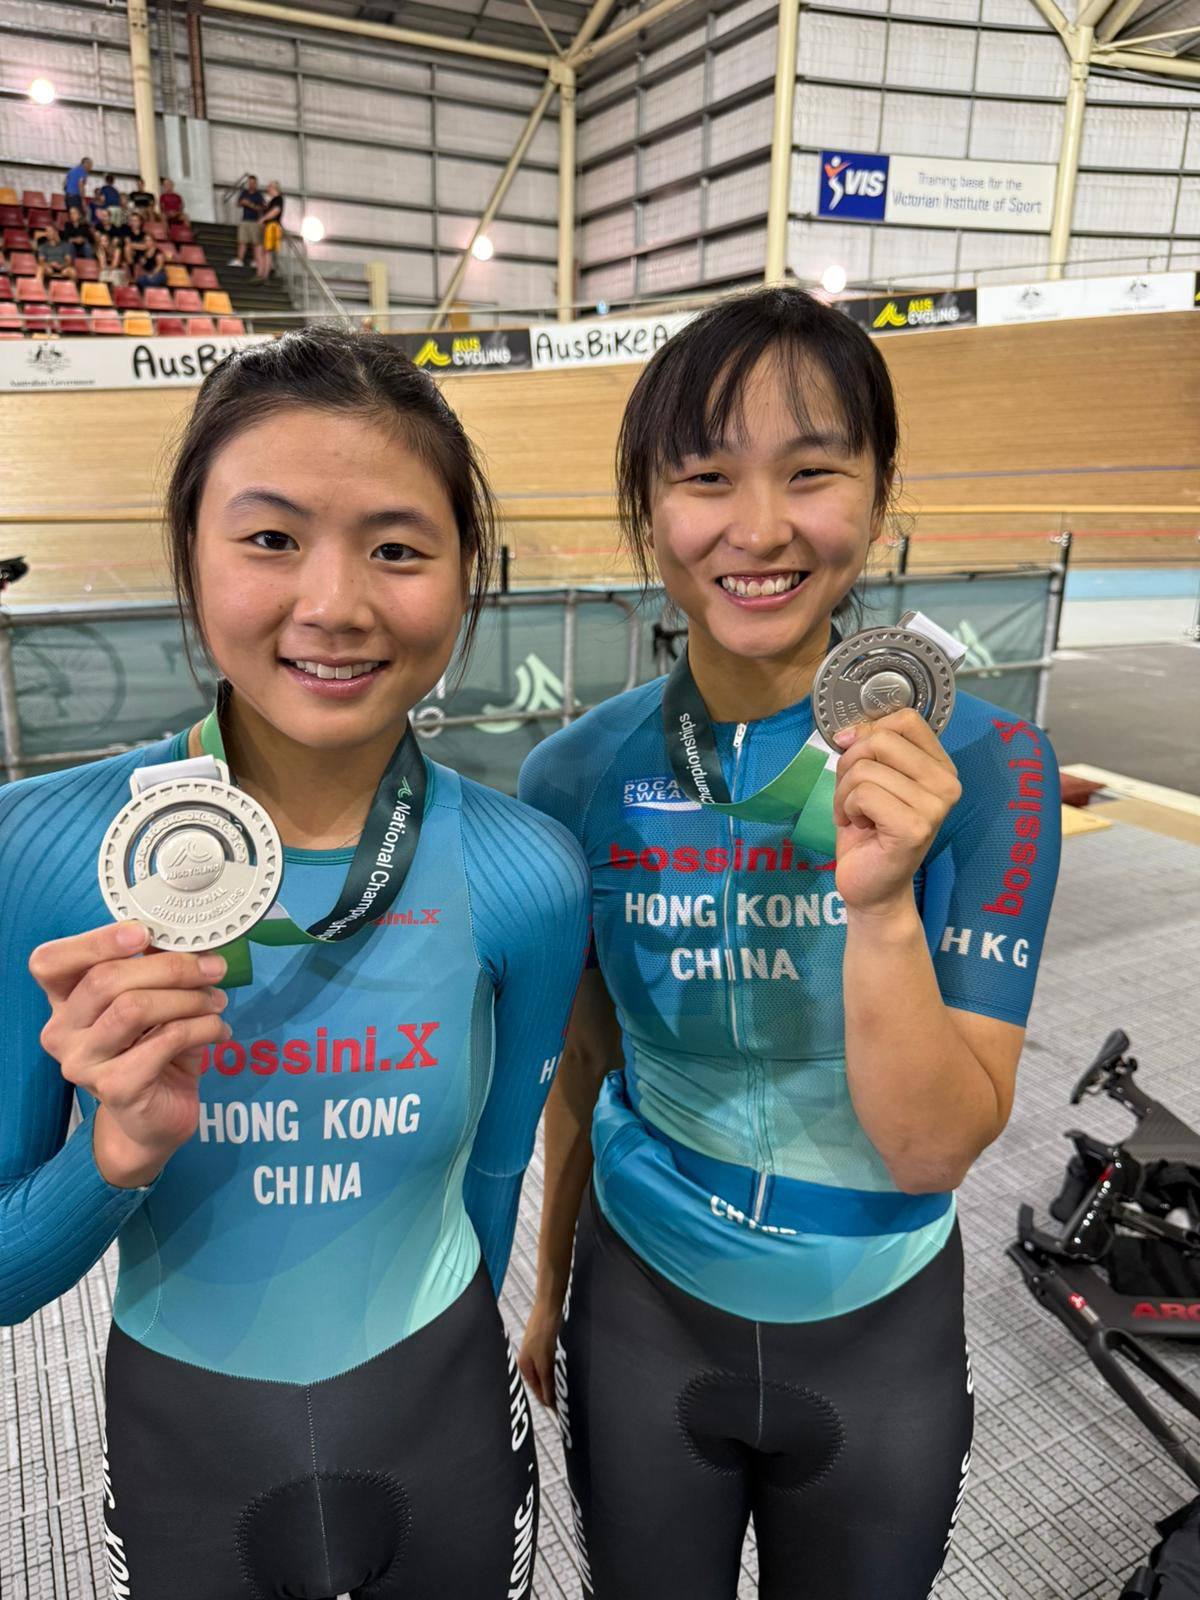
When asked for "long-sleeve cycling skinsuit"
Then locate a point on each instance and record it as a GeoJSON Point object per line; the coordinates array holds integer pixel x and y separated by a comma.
{"type": "Point", "coordinates": [309, 1385]}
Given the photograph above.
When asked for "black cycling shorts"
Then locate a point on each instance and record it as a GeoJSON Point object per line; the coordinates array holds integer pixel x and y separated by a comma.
{"type": "Point", "coordinates": [847, 1440]}
{"type": "Point", "coordinates": [411, 1477]}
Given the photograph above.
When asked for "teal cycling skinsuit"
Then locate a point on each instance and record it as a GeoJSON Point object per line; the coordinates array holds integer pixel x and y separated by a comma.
{"type": "Point", "coordinates": [731, 1172]}
{"type": "Point", "coordinates": [362, 1141]}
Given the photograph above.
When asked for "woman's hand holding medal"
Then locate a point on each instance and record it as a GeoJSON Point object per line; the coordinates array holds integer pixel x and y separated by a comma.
{"type": "Point", "coordinates": [133, 1035]}
{"type": "Point", "coordinates": [895, 787]}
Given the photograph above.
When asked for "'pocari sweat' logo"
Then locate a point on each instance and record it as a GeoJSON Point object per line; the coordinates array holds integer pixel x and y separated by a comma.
{"type": "Point", "coordinates": [853, 186]}
{"type": "Point", "coordinates": [656, 794]}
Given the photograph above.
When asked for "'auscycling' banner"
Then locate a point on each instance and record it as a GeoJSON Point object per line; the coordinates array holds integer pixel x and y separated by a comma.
{"type": "Point", "coordinates": [476, 350]}
{"type": "Point", "coordinates": [913, 312]}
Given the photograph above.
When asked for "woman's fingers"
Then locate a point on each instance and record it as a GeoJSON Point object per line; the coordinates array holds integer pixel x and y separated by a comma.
{"type": "Point", "coordinates": [135, 1012]}
{"type": "Point", "coordinates": [163, 970]}
{"type": "Point", "coordinates": [124, 1081]}
{"type": "Point", "coordinates": [58, 965]}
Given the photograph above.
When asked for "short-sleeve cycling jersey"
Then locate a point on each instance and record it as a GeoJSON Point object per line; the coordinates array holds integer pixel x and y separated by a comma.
{"type": "Point", "coordinates": [364, 1132]}
{"type": "Point", "coordinates": [728, 1153]}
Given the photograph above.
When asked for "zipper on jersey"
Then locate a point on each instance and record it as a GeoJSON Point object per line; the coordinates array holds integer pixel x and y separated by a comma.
{"type": "Point", "coordinates": [731, 942]}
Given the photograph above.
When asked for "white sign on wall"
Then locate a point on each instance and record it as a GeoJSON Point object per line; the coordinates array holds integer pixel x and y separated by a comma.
{"type": "Point", "coordinates": [1130, 295]}
{"type": "Point", "coordinates": [602, 344]}
{"type": "Point", "coordinates": [1011, 196]}
{"type": "Point", "coordinates": [35, 365]}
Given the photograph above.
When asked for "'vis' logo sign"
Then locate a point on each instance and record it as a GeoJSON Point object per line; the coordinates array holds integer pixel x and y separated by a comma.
{"type": "Point", "coordinates": [853, 186]}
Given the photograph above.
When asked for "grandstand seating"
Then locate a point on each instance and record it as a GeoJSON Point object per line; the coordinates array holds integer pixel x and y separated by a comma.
{"type": "Point", "coordinates": [192, 303]}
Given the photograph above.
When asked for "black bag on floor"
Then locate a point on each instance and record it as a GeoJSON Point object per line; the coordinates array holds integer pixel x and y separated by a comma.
{"type": "Point", "coordinates": [1174, 1569]}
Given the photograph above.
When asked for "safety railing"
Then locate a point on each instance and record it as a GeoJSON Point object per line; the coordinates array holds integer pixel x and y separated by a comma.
{"type": "Point", "coordinates": [561, 706]}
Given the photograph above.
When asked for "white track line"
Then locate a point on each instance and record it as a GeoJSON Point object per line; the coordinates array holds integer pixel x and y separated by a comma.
{"type": "Point", "coordinates": [1136, 789]}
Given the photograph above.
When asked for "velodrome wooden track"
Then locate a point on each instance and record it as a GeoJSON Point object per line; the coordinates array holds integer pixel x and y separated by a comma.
{"type": "Point", "coordinates": [1011, 435]}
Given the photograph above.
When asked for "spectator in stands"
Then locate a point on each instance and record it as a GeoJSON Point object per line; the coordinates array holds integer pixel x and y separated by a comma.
{"type": "Point", "coordinates": [75, 184]}
{"type": "Point", "coordinates": [140, 198]}
{"type": "Point", "coordinates": [78, 235]}
{"type": "Point", "coordinates": [108, 194]}
{"type": "Point", "coordinates": [54, 257]}
{"type": "Point", "coordinates": [272, 232]}
{"type": "Point", "coordinates": [151, 269]}
{"type": "Point", "coordinates": [249, 234]}
{"type": "Point", "coordinates": [170, 204]}
{"type": "Point", "coordinates": [110, 247]}
{"type": "Point", "coordinates": [140, 250]}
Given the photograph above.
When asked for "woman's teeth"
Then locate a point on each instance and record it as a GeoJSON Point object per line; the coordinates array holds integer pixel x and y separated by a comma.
{"type": "Point", "coordinates": [749, 588]}
{"type": "Point", "coordinates": [352, 669]}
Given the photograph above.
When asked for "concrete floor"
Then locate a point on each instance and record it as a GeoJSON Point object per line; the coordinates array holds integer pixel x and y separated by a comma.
{"type": "Point", "coordinates": [1132, 710]}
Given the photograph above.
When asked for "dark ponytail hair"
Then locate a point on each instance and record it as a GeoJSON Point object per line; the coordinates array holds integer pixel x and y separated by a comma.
{"type": "Point", "coordinates": [689, 397]}
{"type": "Point", "coordinates": [327, 367]}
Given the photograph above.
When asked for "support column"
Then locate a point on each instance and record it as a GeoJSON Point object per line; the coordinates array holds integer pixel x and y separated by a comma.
{"type": "Point", "coordinates": [497, 199]}
{"type": "Point", "coordinates": [143, 93]}
{"type": "Point", "coordinates": [1078, 41]}
{"type": "Point", "coordinates": [566, 193]}
{"type": "Point", "coordinates": [779, 204]}
{"type": "Point", "coordinates": [378, 295]}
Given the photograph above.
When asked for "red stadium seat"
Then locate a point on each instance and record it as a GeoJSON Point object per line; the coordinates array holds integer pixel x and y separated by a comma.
{"type": "Point", "coordinates": [167, 250]}
{"type": "Point", "coordinates": [58, 202]}
{"type": "Point", "coordinates": [201, 327]}
{"type": "Point", "coordinates": [205, 278]}
{"type": "Point", "coordinates": [38, 321]}
{"type": "Point", "coordinates": [170, 327]}
{"type": "Point", "coordinates": [180, 233]}
{"type": "Point", "coordinates": [17, 239]}
{"type": "Point", "coordinates": [128, 299]}
{"type": "Point", "coordinates": [11, 217]}
{"type": "Point", "coordinates": [230, 325]}
{"type": "Point", "coordinates": [188, 300]}
{"type": "Point", "coordinates": [73, 323]}
{"type": "Point", "coordinates": [10, 318]}
{"type": "Point", "coordinates": [35, 197]}
{"type": "Point", "coordinates": [63, 292]}
{"type": "Point", "coordinates": [192, 255]}
{"type": "Point", "coordinates": [31, 289]}
{"type": "Point", "coordinates": [6, 290]}
{"type": "Point", "coordinates": [87, 271]}
{"type": "Point", "coordinates": [156, 230]}
{"type": "Point", "coordinates": [159, 300]}
{"type": "Point", "coordinates": [38, 219]}
{"type": "Point", "coordinates": [23, 264]}
{"type": "Point", "coordinates": [107, 322]}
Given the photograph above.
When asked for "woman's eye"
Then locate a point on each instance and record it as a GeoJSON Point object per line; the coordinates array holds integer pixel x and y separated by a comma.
{"type": "Point", "coordinates": [269, 539]}
{"type": "Point", "coordinates": [395, 552]}
{"type": "Point", "coordinates": [706, 478]}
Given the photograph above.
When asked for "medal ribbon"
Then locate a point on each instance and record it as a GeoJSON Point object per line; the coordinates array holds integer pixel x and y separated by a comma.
{"type": "Point", "coordinates": [801, 794]}
{"type": "Point", "coordinates": [378, 869]}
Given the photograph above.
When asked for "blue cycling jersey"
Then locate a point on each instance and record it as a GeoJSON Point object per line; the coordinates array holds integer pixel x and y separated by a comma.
{"type": "Point", "coordinates": [362, 1134]}
{"type": "Point", "coordinates": [728, 1152]}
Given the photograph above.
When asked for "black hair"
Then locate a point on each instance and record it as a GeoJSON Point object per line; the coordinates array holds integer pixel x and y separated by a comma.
{"type": "Point", "coordinates": [110, 177]}
{"type": "Point", "coordinates": [330, 368]}
{"type": "Point", "coordinates": [689, 397]}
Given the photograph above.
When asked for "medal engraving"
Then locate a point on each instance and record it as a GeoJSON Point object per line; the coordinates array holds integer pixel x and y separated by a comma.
{"type": "Point", "coordinates": [197, 860]}
{"type": "Point", "coordinates": [878, 671]}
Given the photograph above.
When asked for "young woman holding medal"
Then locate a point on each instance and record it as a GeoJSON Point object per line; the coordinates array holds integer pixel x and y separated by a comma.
{"type": "Point", "coordinates": [313, 1175]}
{"type": "Point", "coordinates": [765, 1307]}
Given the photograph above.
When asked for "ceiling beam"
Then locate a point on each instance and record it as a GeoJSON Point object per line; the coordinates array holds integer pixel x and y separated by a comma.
{"type": "Point", "coordinates": [377, 30]}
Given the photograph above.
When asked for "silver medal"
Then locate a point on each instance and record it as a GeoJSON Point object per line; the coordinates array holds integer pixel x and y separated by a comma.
{"type": "Point", "coordinates": [881, 670]}
{"type": "Point", "coordinates": [194, 858]}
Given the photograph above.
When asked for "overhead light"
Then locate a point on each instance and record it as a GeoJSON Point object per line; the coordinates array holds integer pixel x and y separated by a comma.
{"type": "Point", "coordinates": [833, 279]}
{"type": "Point", "coordinates": [42, 92]}
{"type": "Point", "coordinates": [312, 230]}
{"type": "Point", "coordinates": [483, 249]}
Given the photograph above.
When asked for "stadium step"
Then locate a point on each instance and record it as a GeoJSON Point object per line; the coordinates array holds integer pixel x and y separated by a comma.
{"type": "Point", "coordinates": [250, 299]}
